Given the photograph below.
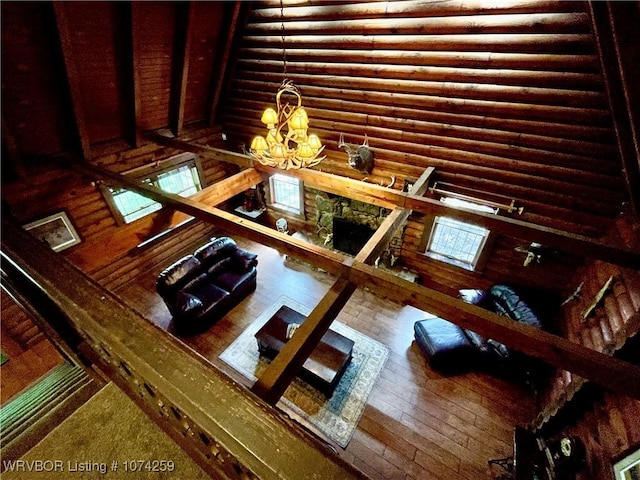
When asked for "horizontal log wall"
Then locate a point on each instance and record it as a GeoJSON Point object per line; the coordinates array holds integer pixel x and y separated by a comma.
{"type": "Point", "coordinates": [17, 325]}
{"type": "Point", "coordinates": [609, 430]}
{"type": "Point", "coordinates": [109, 252]}
{"type": "Point", "coordinates": [504, 264]}
{"type": "Point", "coordinates": [506, 99]}
{"type": "Point", "coordinates": [607, 424]}
{"type": "Point", "coordinates": [606, 325]}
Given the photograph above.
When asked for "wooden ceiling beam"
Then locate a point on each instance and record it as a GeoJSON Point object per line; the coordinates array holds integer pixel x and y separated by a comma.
{"type": "Point", "coordinates": [390, 198]}
{"type": "Point", "coordinates": [218, 75]}
{"type": "Point", "coordinates": [621, 81]}
{"type": "Point", "coordinates": [73, 80]}
{"type": "Point", "coordinates": [282, 370]}
{"type": "Point", "coordinates": [132, 84]}
{"type": "Point", "coordinates": [180, 66]}
{"type": "Point", "coordinates": [326, 259]}
{"type": "Point", "coordinates": [603, 369]}
{"type": "Point", "coordinates": [285, 366]}
{"type": "Point", "coordinates": [228, 188]}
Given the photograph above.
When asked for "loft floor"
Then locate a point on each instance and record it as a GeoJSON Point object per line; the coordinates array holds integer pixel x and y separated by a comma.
{"type": "Point", "coordinates": [417, 424]}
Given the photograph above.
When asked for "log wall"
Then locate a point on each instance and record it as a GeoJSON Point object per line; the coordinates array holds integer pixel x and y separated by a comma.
{"type": "Point", "coordinates": [505, 99]}
{"type": "Point", "coordinates": [605, 325]}
{"type": "Point", "coordinates": [108, 252]}
{"type": "Point", "coordinates": [609, 429]}
{"type": "Point", "coordinates": [81, 77]}
{"type": "Point", "coordinates": [607, 424]}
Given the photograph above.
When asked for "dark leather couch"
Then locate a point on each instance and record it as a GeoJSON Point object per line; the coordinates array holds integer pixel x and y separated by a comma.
{"type": "Point", "coordinates": [200, 288]}
{"type": "Point", "coordinates": [452, 349]}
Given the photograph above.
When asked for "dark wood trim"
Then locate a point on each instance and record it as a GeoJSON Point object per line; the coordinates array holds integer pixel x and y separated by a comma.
{"type": "Point", "coordinates": [71, 74]}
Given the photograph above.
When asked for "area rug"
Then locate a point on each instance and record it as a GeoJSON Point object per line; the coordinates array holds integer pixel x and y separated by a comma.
{"type": "Point", "coordinates": [337, 417]}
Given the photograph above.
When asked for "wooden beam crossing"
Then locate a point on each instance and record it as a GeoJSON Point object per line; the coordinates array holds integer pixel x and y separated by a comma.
{"type": "Point", "coordinates": [389, 198]}
{"type": "Point", "coordinates": [603, 369]}
{"type": "Point", "coordinates": [282, 370]}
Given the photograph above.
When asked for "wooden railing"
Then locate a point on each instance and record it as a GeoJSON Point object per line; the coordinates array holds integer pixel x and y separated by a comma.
{"type": "Point", "coordinates": [227, 430]}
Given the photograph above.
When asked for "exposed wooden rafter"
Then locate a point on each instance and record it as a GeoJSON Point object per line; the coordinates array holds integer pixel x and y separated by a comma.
{"type": "Point", "coordinates": [180, 66]}
{"type": "Point", "coordinates": [71, 73]}
{"type": "Point", "coordinates": [278, 375]}
{"type": "Point", "coordinates": [612, 50]}
{"type": "Point", "coordinates": [388, 198]}
{"type": "Point", "coordinates": [219, 76]}
{"type": "Point", "coordinates": [603, 369]}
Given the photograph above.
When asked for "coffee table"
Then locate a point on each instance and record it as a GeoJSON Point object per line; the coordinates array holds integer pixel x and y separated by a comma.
{"type": "Point", "coordinates": [326, 364]}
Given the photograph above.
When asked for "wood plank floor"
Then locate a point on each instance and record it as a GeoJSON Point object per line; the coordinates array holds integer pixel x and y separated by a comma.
{"type": "Point", "coordinates": [418, 424]}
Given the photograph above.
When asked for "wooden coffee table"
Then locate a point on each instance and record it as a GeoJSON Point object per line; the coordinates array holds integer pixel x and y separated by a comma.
{"type": "Point", "coordinates": [326, 364]}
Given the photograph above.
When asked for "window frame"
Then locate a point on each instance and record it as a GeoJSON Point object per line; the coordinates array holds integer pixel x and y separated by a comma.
{"type": "Point", "coordinates": [299, 210]}
{"type": "Point", "coordinates": [152, 172]}
{"type": "Point", "coordinates": [482, 253]}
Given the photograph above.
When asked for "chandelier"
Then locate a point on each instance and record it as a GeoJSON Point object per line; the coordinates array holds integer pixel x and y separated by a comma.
{"type": "Point", "coordinates": [290, 148]}
{"type": "Point", "coordinates": [287, 145]}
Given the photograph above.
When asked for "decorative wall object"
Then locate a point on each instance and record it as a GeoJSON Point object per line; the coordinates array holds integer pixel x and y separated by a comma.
{"type": "Point", "coordinates": [361, 157]}
{"type": "Point", "coordinates": [56, 230]}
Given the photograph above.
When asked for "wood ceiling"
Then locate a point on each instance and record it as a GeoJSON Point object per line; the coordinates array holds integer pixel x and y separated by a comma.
{"type": "Point", "coordinates": [507, 99]}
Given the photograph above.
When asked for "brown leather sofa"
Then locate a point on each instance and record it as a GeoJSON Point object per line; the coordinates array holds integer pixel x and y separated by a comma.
{"type": "Point", "coordinates": [200, 288]}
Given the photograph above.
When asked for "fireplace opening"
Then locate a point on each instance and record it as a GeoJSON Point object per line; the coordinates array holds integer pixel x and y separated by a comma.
{"type": "Point", "coordinates": [350, 237]}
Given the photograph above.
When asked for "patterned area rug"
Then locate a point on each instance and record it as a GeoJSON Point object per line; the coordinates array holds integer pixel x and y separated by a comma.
{"type": "Point", "coordinates": [337, 417]}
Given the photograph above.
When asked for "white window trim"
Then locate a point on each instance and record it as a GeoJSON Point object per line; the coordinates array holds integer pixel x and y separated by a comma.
{"type": "Point", "coordinates": [143, 173]}
{"type": "Point", "coordinates": [480, 255]}
{"type": "Point", "coordinates": [280, 206]}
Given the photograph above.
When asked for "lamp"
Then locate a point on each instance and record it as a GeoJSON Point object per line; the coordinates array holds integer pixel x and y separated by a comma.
{"type": "Point", "coordinates": [287, 145]}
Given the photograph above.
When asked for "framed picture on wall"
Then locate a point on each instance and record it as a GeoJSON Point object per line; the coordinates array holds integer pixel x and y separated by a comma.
{"type": "Point", "coordinates": [56, 230]}
{"type": "Point", "coordinates": [628, 467]}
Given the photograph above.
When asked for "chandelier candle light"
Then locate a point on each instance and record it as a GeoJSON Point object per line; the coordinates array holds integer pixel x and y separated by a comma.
{"type": "Point", "coordinates": [293, 148]}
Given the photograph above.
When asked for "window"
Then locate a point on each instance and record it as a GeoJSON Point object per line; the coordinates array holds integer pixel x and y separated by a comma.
{"type": "Point", "coordinates": [177, 175]}
{"type": "Point", "coordinates": [286, 193]}
{"type": "Point", "coordinates": [456, 242]}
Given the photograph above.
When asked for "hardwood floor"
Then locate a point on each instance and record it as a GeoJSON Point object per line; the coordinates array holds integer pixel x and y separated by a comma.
{"type": "Point", "coordinates": [418, 424]}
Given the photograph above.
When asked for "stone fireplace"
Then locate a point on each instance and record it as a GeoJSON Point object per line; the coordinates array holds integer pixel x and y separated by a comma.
{"type": "Point", "coordinates": [347, 224]}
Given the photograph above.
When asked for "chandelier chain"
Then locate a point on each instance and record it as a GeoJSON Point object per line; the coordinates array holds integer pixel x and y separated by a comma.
{"type": "Point", "coordinates": [284, 51]}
